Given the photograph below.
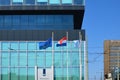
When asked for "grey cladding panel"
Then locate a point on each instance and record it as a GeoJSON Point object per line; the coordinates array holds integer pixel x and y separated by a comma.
{"type": "Point", "coordinates": [39, 35]}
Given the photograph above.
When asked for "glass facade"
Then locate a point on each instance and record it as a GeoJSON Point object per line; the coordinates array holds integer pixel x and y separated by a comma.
{"type": "Point", "coordinates": [18, 59]}
{"type": "Point", "coordinates": [41, 2]}
{"type": "Point", "coordinates": [36, 22]}
{"type": "Point", "coordinates": [21, 33]}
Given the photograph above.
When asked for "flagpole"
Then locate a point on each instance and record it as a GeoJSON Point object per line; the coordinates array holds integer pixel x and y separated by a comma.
{"type": "Point", "coordinates": [67, 54]}
{"type": "Point", "coordinates": [52, 55]}
{"type": "Point", "coordinates": [52, 49]}
{"type": "Point", "coordinates": [44, 58]}
{"type": "Point", "coordinates": [80, 55]}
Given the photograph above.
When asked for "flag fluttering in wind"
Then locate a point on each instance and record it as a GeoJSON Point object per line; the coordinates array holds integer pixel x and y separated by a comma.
{"type": "Point", "coordinates": [62, 42]}
{"type": "Point", "coordinates": [46, 44]}
{"type": "Point", "coordinates": [76, 43]}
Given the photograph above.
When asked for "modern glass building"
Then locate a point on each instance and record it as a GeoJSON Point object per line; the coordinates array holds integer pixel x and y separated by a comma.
{"type": "Point", "coordinates": [25, 23]}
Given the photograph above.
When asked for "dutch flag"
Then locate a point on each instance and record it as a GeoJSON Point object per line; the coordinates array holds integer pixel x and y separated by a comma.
{"type": "Point", "coordinates": [62, 42]}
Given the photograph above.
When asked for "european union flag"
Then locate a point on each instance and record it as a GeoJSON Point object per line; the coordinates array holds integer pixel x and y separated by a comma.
{"type": "Point", "coordinates": [46, 44]}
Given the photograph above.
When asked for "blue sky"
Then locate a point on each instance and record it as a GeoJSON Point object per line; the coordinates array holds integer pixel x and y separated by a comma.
{"type": "Point", "coordinates": [101, 22]}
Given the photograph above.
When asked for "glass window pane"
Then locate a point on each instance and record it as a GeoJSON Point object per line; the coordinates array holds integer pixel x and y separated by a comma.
{"type": "Point", "coordinates": [17, 0]}
{"type": "Point", "coordinates": [48, 59]}
{"type": "Point", "coordinates": [58, 19]}
{"type": "Point", "coordinates": [14, 46]}
{"type": "Point", "coordinates": [64, 56]}
{"type": "Point", "coordinates": [24, 20]}
{"type": "Point", "coordinates": [4, 2]}
{"type": "Point", "coordinates": [23, 74]}
{"type": "Point", "coordinates": [29, 2]}
{"type": "Point", "coordinates": [16, 20]}
{"type": "Point", "coordinates": [67, 19]}
{"type": "Point", "coordinates": [14, 59]}
{"type": "Point", "coordinates": [65, 74]}
{"type": "Point", "coordinates": [23, 46]}
{"type": "Point", "coordinates": [41, 20]}
{"type": "Point", "coordinates": [40, 59]}
{"type": "Point", "coordinates": [7, 20]}
{"type": "Point", "coordinates": [5, 59]}
{"type": "Point", "coordinates": [58, 74]}
{"type": "Point", "coordinates": [75, 59]}
{"type": "Point", "coordinates": [23, 59]}
{"type": "Point", "coordinates": [78, 1]}
{"type": "Point", "coordinates": [32, 20]}
{"type": "Point", "coordinates": [14, 73]}
{"type": "Point", "coordinates": [49, 19]}
{"type": "Point", "coordinates": [5, 46]}
{"type": "Point", "coordinates": [31, 46]}
{"type": "Point", "coordinates": [75, 73]}
{"type": "Point", "coordinates": [54, 2]}
{"type": "Point", "coordinates": [4, 74]}
{"type": "Point", "coordinates": [42, 1]}
{"type": "Point", "coordinates": [31, 59]}
{"type": "Point", "coordinates": [1, 20]}
{"type": "Point", "coordinates": [58, 59]}
{"type": "Point", "coordinates": [31, 74]}
{"type": "Point", "coordinates": [66, 1]}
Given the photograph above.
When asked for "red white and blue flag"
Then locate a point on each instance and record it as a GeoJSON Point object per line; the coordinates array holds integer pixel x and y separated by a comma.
{"type": "Point", "coordinates": [62, 42]}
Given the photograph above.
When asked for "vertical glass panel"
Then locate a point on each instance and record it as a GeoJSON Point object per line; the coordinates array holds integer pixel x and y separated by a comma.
{"type": "Point", "coordinates": [66, 1]}
{"type": "Point", "coordinates": [24, 20]}
{"type": "Point", "coordinates": [41, 19]}
{"type": "Point", "coordinates": [65, 74]}
{"type": "Point", "coordinates": [75, 59]}
{"type": "Point", "coordinates": [31, 46]}
{"type": "Point", "coordinates": [4, 2]}
{"type": "Point", "coordinates": [5, 59]}
{"type": "Point", "coordinates": [32, 20]}
{"type": "Point", "coordinates": [23, 74]}
{"type": "Point", "coordinates": [42, 1]}
{"type": "Point", "coordinates": [64, 56]}
{"type": "Point", "coordinates": [17, 0]}
{"type": "Point", "coordinates": [4, 74]}
{"type": "Point", "coordinates": [54, 2]}
{"type": "Point", "coordinates": [23, 45]}
{"type": "Point", "coordinates": [1, 20]}
{"type": "Point", "coordinates": [5, 46]}
{"type": "Point", "coordinates": [14, 59]}
{"type": "Point", "coordinates": [29, 2]}
{"type": "Point", "coordinates": [31, 74]}
{"type": "Point", "coordinates": [69, 58]}
{"type": "Point", "coordinates": [58, 74]}
{"type": "Point", "coordinates": [67, 19]}
{"type": "Point", "coordinates": [58, 59]}
{"type": "Point", "coordinates": [49, 19]}
{"type": "Point", "coordinates": [83, 72]}
{"type": "Point", "coordinates": [75, 74]}
{"type": "Point", "coordinates": [16, 20]}
{"type": "Point", "coordinates": [14, 46]}
{"type": "Point", "coordinates": [40, 59]}
{"type": "Point", "coordinates": [31, 59]}
{"type": "Point", "coordinates": [48, 59]}
{"type": "Point", "coordinates": [23, 58]}
{"type": "Point", "coordinates": [7, 20]}
{"type": "Point", "coordinates": [78, 1]}
{"type": "Point", "coordinates": [69, 74]}
{"type": "Point", "coordinates": [58, 19]}
{"type": "Point", "coordinates": [14, 73]}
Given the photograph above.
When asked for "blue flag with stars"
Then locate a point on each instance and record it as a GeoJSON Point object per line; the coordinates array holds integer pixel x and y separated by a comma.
{"type": "Point", "coordinates": [46, 44]}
